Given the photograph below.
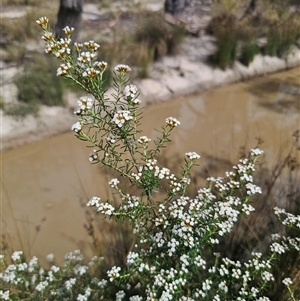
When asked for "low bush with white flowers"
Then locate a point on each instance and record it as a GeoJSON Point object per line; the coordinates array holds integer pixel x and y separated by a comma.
{"type": "Point", "coordinates": [176, 253]}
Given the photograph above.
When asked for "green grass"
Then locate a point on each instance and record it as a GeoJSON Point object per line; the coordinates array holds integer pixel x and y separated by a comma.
{"type": "Point", "coordinates": [282, 36]}
{"type": "Point", "coordinates": [148, 41]}
{"type": "Point", "coordinates": [273, 21]}
{"type": "Point", "coordinates": [248, 52]}
{"type": "Point", "coordinates": [38, 84]}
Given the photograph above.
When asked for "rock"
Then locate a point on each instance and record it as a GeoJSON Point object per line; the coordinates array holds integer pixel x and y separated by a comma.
{"type": "Point", "coordinates": [178, 84]}
{"type": "Point", "coordinates": [200, 74]}
{"type": "Point", "coordinates": [153, 90]}
{"type": "Point", "coordinates": [267, 64]}
{"type": "Point", "coordinates": [9, 94]}
{"type": "Point", "coordinates": [293, 58]}
{"type": "Point", "coordinates": [223, 77]}
{"type": "Point", "coordinates": [243, 71]}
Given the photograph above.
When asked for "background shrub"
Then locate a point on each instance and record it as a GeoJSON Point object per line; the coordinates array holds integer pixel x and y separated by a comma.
{"type": "Point", "coordinates": [33, 84]}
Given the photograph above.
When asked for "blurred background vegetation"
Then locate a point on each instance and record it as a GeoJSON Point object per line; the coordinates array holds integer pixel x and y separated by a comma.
{"type": "Point", "coordinates": [128, 32]}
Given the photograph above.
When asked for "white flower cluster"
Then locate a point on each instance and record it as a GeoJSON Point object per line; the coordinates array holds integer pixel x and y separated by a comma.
{"type": "Point", "coordinates": [143, 140]}
{"type": "Point", "coordinates": [192, 155]}
{"type": "Point", "coordinates": [54, 283]}
{"type": "Point", "coordinates": [256, 152]}
{"type": "Point", "coordinates": [4, 295]}
{"type": "Point", "coordinates": [113, 183]}
{"type": "Point", "coordinates": [172, 122]}
{"type": "Point", "coordinates": [63, 69]}
{"type": "Point", "coordinates": [16, 256]}
{"type": "Point", "coordinates": [91, 72]}
{"type": "Point", "coordinates": [104, 208]}
{"type": "Point", "coordinates": [84, 104]}
{"type": "Point", "coordinates": [129, 203]}
{"type": "Point", "coordinates": [86, 57]}
{"type": "Point", "coordinates": [130, 91]}
{"type": "Point", "coordinates": [131, 258]}
{"type": "Point", "coordinates": [121, 117]}
{"type": "Point", "coordinates": [77, 127]}
{"type": "Point", "coordinates": [111, 138]}
{"type": "Point", "coordinates": [113, 273]}
{"type": "Point", "coordinates": [289, 220]}
{"type": "Point", "coordinates": [287, 281]}
{"type": "Point", "coordinates": [121, 68]}
{"type": "Point", "coordinates": [94, 156]}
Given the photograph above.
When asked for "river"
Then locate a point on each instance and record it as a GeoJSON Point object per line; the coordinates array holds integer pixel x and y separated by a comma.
{"type": "Point", "coordinates": [44, 182]}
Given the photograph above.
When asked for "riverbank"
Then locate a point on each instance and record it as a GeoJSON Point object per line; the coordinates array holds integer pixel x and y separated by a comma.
{"type": "Point", "coordinates": [185, 73]}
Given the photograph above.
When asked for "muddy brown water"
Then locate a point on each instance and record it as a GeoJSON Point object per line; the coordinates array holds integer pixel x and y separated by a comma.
{"type": "Point", "coordinates": [43, 182]}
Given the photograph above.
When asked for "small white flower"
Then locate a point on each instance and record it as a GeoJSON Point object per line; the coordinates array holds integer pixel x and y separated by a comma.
{"type": "Point", "coordinates": [69, 283]}
{"type": "Point", "coordinates": [106, 209]}
{"type": "Point", "coordinates": [256, 152]}
{"type": "Point", "coordinates": [136, 101]}
{"type": "Point", "coordinates": [80, 270]}
{"type": "Point", "coordinates": [130, 91]}
{"type": "Point", "coordinates": [277, 248]}
{"type": "Point", "coordinates": [214, 241]}
{"type": "Point", "coordinates": [252, 189]}
{"type": "Point", "coordinates": [172, 122]}
{"type": "Point", "coordinates": [16, 255]}
{"type": "Point", "coordinates": [120, 295]}
{"type": "Point", "coordinates": [151, 163]}
{"type": "Point", "coordinates": [68, 30]}
{"type": "Point", "coordinates": [111, 138]}
{"type": "Point", "coordinates": [63, 52]}
{"type": "Point", "coordinates": [113, 273]}
{"type": "Point", "coordinates": [122, 68]}
{"type": "Point", "coordinates": [90, 73]}
{"type": "Point", "coordinates": [65, 43]}
{"type": "Point", "coordinates": [186, 181]}
{"type": "Point", "coordinates": [113, 183]}
{"type": "Point", "coordinates": [42, 21]}
{"type": "Point", "coordinates": [287, 281]}
{"type": "Point", "coordinates": [77, 127]}
{"type": "Point", "coordinates": [267, 276]}
{"type": "Point", "coordinates": [4, 295]}
{"type": "Point", "coordinates": [93, 156]}
{"type": "Point", "coordinates": [85, 103]}
{"type": "Point", "coordinates": [192, 155]}
{"type": "Point", "coordinates": [102, 283]}
{"type": "Point", "coordinates": [131, 257]}
{"type": "Point", "coordinates": [121, 117]}
{"type": "Point", "coordinates": [100, 65]}
{"type": "Point", "coordinates": [143, 140]}
{"type": "Point", "coordinates": [91, 45]}
{"type": "Point", "coordinates": [42, 286]}
{"type": "Point", "coordinates": [78, 46]}
{"type": "Point", "coordinates": [47, 36]}
{"type": "Point", "coordinates": [50, 257]}
{"type": "Point", "coordinates": [247, 209]}
{"type": "Point", "coordinates": [86, 57]}
{"type": "Point", "coordinates": [63, 69]}
{"type": "Point", "coordinates": [94, 201]}
{"type": "Point", "coordinates": [55, 269]}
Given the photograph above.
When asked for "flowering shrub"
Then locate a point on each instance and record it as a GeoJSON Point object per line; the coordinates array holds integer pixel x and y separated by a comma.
{"type": "Point", "coordinates": [177, 235]}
